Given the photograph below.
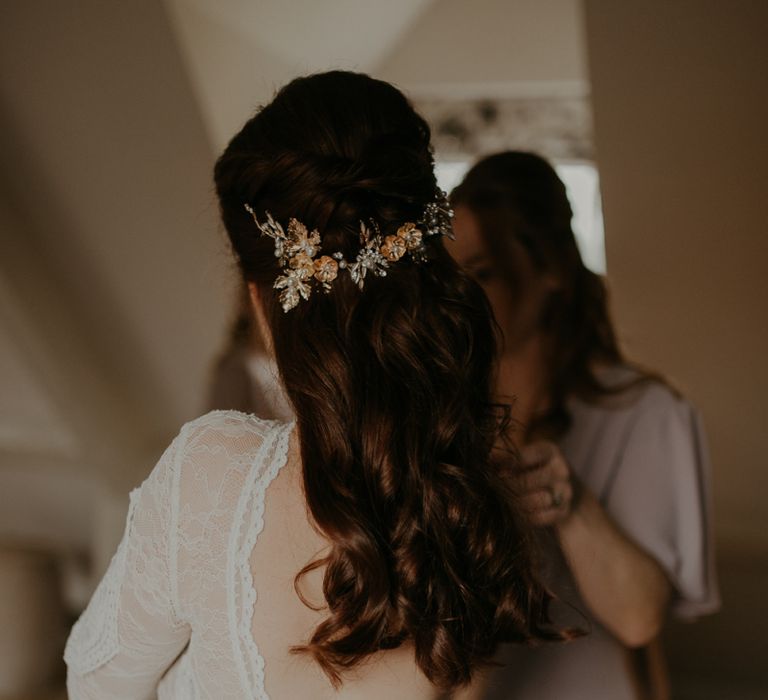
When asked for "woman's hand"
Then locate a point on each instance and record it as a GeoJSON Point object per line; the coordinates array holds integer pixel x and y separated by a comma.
{"type": "Point", "coordinates": [545, 483]}
{"type": "Point", "coordinates": [624, 587]}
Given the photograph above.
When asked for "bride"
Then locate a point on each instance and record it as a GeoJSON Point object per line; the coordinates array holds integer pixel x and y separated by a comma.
{"type": "Point", "coordinates": [370, 547]}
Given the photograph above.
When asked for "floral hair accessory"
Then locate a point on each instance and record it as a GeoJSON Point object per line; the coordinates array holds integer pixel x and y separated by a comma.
{"type": "Point", "coordinates": [297, 250]}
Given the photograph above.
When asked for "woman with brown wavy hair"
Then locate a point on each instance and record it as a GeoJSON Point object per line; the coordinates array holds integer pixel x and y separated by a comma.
{"type": "Point", "coordinates": [613, 465]}
{"type": "Point", "coordinates": [369, 547]}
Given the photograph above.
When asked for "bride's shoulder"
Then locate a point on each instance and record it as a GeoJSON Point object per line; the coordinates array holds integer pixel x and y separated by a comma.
{"type": "Point", "coordinates": [231, 423]}
{"type": "Point", "coordinates": [229, 437]}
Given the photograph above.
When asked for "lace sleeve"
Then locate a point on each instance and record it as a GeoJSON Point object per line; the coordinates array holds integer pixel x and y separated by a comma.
{"type": "Point", "coordinates": [130, 633]}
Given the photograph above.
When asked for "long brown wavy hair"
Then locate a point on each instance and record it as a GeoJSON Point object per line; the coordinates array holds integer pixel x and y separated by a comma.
{"type": "Point", "coordinates": [518, 197]}
{"type": "Point", "coordinates": [391, 387]}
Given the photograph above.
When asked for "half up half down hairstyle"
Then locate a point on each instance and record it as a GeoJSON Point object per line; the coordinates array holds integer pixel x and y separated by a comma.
{"type": "Point", "coordinates": [391, 386]}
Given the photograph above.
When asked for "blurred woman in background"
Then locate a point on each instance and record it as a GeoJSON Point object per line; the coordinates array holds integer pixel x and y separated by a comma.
{"type": "Point", "coordinates": [614, 468]}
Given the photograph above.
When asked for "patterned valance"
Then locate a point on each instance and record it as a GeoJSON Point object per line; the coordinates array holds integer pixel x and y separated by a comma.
{"type": "Point", "coordinates": [556, 127]}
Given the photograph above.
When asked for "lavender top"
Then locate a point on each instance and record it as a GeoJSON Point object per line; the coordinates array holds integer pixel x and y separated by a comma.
{"type": "Point", "coordinates": [644, 456]}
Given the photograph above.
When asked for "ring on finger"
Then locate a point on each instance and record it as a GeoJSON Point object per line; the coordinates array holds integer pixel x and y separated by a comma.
{"type": "Point", "coordinates": [557, 498]}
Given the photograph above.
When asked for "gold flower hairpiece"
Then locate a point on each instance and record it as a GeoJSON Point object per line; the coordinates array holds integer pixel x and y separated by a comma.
{"type": "Point", "coordinates": [297, 251]}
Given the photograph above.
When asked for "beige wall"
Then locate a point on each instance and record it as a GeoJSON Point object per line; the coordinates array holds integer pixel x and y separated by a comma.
{"type": "Point", "coordinates": [681, 110]}
{"type": "Point", "coordinates": [514, 46]}
{"type": "Point", "coordinates": [114, 278]}
{"type": "Point", "coordinates": [239, 52]}
{"type": "Point", "coordinates": [107, 168]}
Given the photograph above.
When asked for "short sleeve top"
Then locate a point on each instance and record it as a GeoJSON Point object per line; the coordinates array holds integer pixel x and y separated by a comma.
{"type": "Point", "coordinates": [643, 454]}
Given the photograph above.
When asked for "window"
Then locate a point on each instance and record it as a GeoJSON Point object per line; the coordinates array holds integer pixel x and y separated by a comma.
{"type": "Point", "coordinates": [583, 187]}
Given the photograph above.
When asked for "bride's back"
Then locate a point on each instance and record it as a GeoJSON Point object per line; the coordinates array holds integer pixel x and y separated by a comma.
{"type": "Point", "coordinates": [282, 621]}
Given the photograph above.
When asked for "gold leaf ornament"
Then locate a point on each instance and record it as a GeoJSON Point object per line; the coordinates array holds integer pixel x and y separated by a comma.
{"type": "Point", "coordinates": [411, 234]}
{"type": "Point", "coordinates": [393, 248]}
{"type": "Point", "coordinates": [303, 264]}
{"type": "Point", "coordinates": [326, 269]}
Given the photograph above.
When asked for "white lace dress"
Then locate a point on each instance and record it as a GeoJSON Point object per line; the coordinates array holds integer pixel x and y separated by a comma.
{"type": "Point", "coordinates": [173, 614]}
